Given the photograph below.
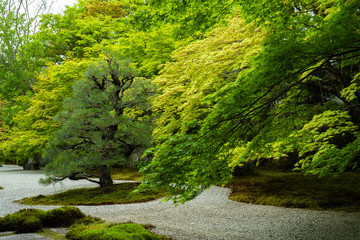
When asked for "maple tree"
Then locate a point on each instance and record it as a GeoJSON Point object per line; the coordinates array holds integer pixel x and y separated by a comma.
{"type": "Point", "coordinates": [304, 65]}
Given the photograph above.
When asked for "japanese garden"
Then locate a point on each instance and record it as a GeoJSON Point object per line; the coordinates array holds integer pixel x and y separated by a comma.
{"type": "Point", "coordinates": [128, 103]}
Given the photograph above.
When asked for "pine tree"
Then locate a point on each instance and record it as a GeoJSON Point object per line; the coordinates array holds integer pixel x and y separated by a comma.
{"type": "Point", "coordinates": [102, 123]}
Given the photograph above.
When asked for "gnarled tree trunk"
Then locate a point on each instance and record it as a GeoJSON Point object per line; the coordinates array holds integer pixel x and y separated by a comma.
{"type": "Point", "coordinates": [105, 176]}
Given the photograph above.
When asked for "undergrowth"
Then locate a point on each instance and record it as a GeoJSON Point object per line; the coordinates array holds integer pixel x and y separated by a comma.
{"type": "Point", "coordinates": [116, 194]}
{"type": "Point", "coordinates": [335, 192]}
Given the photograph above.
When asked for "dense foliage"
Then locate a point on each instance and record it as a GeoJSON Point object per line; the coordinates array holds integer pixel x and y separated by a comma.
{"type": "Point", "coordinates": [236, 82]}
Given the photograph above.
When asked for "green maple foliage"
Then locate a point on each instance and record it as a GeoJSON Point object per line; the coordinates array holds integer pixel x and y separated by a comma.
{"type": "Point", "coordinates": [300, 70]}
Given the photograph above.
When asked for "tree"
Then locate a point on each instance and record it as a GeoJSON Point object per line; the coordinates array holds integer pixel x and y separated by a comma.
{"type": "Point", "coordinates": [20, 54]}
{"type": "Point", "coordinates": [307, 61]}
{"type": "Point", "coordinates": [28, 119]}
{"type": "Point", "coordinates": [107, 117]}
{"type": "Point", "coordinates": [24, 139]}
{"type": "Point", "coordinates": [186, 89]}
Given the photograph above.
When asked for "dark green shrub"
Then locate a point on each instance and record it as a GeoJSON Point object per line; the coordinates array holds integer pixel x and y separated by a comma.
{"type": "Point", "coordinates": [28, 224]}
{"type": "Point", "coordinates": [59, 217]}
{"type": "Point", "coordinates": [62, 217]}
{"type": "Point", "coordinates": [9, 222]}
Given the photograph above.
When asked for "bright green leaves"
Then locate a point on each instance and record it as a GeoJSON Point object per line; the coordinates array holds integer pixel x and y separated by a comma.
{"type": "Point", "coordinates": [192, 15]}
{"type": "Point", "coordinates": [327, 143]}
{"type": "Point", "coordinates": [183, 166]}
{"type": "Point", "coordinates": [199, 71]}
{"type": "Point", "coordinates": [350, 92]}
{"type": "Point", "coordinates": [32, 127]}
{"type": "Point", "coordinates": [83, 30]}
{"type": "Point", "coordinates": [250, 91]}
{"type": "Point", "coordinates": [185, 163]}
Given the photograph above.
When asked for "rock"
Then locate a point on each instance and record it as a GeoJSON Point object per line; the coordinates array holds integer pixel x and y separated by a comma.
{"type": "Point", "coordinates": [135, 156]}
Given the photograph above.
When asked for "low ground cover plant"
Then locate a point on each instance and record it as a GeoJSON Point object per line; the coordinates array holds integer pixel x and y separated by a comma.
{"type": "Point", "coordinates": [34, 220]}
{"type": "Point", "coordinates": [116, 194]}
{"type": "Point", "coordinates": [81, 227]}
{"type": "Point", "coordinates": [132, 174]}
{"type": "Point", "coordinates": [102, 231]}
{"type": "Point", "coordinates": [290, 189]}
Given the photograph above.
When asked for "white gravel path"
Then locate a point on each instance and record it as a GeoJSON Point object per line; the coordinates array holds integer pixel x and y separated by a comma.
{"type": "Point", "coordinates": [210, 216]}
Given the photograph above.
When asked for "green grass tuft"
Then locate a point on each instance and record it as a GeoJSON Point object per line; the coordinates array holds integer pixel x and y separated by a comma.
{"type": "Point", "coordinates": [340, 192]}
{"type": "Point", "coordinates": [116, 194]}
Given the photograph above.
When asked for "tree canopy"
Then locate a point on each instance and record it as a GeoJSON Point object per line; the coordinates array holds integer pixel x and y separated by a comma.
{"type": "Point", "coordinates": [205, 86]}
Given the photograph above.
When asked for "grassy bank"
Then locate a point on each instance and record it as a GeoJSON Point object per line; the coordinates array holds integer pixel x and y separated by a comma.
{"type": "Point", "coordinates": [116, 194]}
{"type": "Point", "coordinates": [341, 192]}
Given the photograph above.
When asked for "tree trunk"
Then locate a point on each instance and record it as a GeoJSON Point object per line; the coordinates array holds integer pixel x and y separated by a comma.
{"type": "Point", "coordinates": [105, 176]}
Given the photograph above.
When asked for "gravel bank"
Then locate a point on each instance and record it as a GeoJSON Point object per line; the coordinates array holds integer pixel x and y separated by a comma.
{"type": "Point", "coordinates": [210, 216]}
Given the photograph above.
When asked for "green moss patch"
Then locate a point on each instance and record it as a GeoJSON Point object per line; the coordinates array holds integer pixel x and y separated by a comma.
{"type": "Point", "coordinates": [29, 225]}
{"type": "Point", "coordinates": [340, 192]}
{"type": "Point", "coordinates": [48, 233]}
{"type": "Point", "coordinates": [126, 174]}
{"type": "Point", "coordinates": [102, 231]}
{"type": "Point", "coordinates": [116, 194]}
{"type": "Point", "coordinates": [33, 220]}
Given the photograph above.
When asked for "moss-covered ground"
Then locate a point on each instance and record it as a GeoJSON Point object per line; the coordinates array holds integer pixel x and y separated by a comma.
{"type": "Point", "coordinates": [33, 220]}
{"type": "Point", "coordinates": [126, 174]}
{"type": "Point", "coordinates": [116, 194]}
{"type": "Point", "coordinates": [81, 227]}
{"type": "Point", "coordinates": [124, 231]}
{"type": "Point", "coordinates": [333, 192]}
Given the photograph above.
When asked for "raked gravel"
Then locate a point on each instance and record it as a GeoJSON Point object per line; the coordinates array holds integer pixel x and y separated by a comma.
{"type": "Point", "coordinates": [210, 216]}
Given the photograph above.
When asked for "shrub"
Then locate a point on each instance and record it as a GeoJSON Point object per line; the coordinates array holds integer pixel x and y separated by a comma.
{"type": "Point", "coordinates": [9, 222]}
{"type": "Point", "coordinates": [62, 217]}
{"type": "Point", "coordinates": [28, 225]}
{"type": "Point", "coordinates": [25, 219]}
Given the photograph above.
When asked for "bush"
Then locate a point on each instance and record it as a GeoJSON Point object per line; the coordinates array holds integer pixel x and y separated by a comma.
{"type": "Point", "coordinates": [59, 217]}
{"type": "Point", "coordinates": [29, 225]}
{"type": "Point", "coordinates": [9, 222]}
{"type": "Point", "coordinates": [62, 217]}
